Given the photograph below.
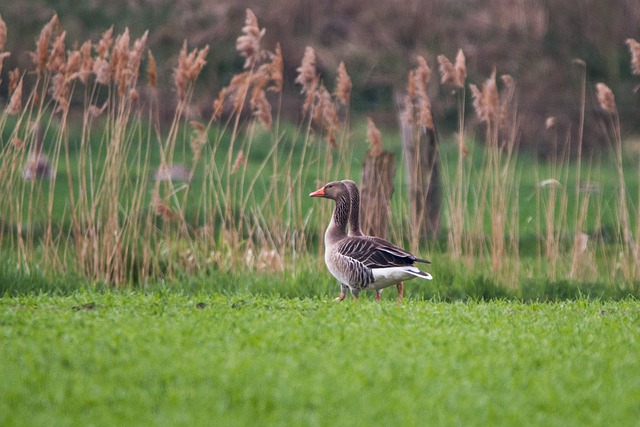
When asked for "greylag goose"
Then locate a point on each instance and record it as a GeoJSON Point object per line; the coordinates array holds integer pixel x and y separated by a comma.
{"type": "Point", "coordinates": [362, 262]}
{"type": "Point", "coordinates": [354, 230]}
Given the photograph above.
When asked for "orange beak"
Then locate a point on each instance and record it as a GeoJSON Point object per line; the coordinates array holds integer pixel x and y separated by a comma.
{"type": "Point", "coordinates": [318, 193]}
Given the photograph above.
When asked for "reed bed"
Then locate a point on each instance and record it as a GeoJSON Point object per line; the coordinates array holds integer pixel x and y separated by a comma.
{"type": "Point", "coordinates": [97, 184]}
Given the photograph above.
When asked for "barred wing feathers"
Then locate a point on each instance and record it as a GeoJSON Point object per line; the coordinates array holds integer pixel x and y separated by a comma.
{"type": "Point", "coordinates": [374, 252]}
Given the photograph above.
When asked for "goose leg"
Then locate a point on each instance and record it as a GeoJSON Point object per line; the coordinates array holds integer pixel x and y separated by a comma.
{"type": "Point", "coordinates": [343, 293]}
{"type": "Point", "coordinates": [378, 296]}
{"type": "Point", "coordinates": [400, 287]}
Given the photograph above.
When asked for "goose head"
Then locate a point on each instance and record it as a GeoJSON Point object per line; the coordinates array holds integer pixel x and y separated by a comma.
{"type": "Point", "coordinates": [334, 190]}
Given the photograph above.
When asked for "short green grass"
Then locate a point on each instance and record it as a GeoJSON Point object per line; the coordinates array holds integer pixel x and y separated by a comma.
{"type": "Point", "coordinates": [207, 358]}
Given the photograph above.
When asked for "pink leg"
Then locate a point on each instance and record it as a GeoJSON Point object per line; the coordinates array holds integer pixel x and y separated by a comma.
{"type": "Point", "coordinates": [378, 296]}
{"type": "Point", "coordinates": [400, 287]}
{"type": "Point", "coordinates": [341, 297]}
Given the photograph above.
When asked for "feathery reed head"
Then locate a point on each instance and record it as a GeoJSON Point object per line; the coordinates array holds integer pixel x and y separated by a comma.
{"type": "Point", "coordinates": [152, 70]}
{"type": "Point", "coordinates": [486, 102]}
{"type": "Point", "coordinates": [119, 60]}
{"type": "Point", "coordinates": [15, 104]}
{"type": "Point", "coordinates": [605, 98]}
{"type": "Point", "coordinates": [447, 72]}
{"type": "Point", "coordinates": [276, 70]}
{"type": "Point", "coordinates": [198, 139]}
{"type": "Point", "coordinates": [451, 74]}
{"type": "Point", "coordinates": [105, 43]}
{"type": "Point", "coordinates": [189, 67]}
{"type": "Point", "coordinates": [41, 56]}
{"type": "Point", "coordinates": [57, 56]}
{"type": "Point", "coordinates": [240, 161]}
{"type": "Point", "coordinates": [2, 56]}
{"type": "Point", "coordinates": [248, 44]}
{"type": "Point", "coordinates": [307, 77]}
{"type": "Point", "coordinates": [417, 88]}
{"type": "Point", "coordinates": [461, 67]}
{"type": "Point", "coordinates": [14, 79]}
{"type": "Point", "coordinates": [550, 122]}
{"type": "Point", "coordinates": [375, 138]}
{"type": "Point", "coordinates": [343, 84]}
{"type": "Point", "coordinates": [423, 72]}
{"type": "Point", "coordinates": [634, 49]}
{"type": "Point", "coordinates": [325, 114]}
{"type": "Point", "coordinates": [3, 33]}
{"type": "Point", "coordinates": [261, 107]}
{"type": "Point", "coordinates": [86, 63]}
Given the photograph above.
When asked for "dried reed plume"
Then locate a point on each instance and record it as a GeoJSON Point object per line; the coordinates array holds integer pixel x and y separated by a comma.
{"type": "Point", "coordinates": [41, 56]}
{"type": "Point", "coordinates": [74, 63]}
{"type": "Point", "coordinates": [60, 91]}
{"type": "Point", "coordinates": [550, 122]}
{"type": "Point", "coordinates": [3, 33]}
{"type": "Point", "coordinates": [417, 88]}
{"type": "Point", "coordinates": [307, 77]}
{"type": "Point", "coordinates": [261, 107]}
{"type": "Point", "coordinates": [86, 67]}
{"type": "Point", "coordinates": [152, 70]}
{"type": "Point", "coordinates": [248, 44]}
{"type": "Point", "coordinates": [15, 104]}
{"type": "Point", "coordinates": [240, 161]}
{"type": "Point", "coordinates": [118, 61]}
{"type": "Point", "coordinates": [375, 139]}
{"type": "Point", "coordinates": [103, 46]}
{"type": "Point", "coordinates": [264, 73]}
{"type": "Point", "coordinates": [189, 67]}
{"type": "Point", "coordinates": [102, 70]}
{"type": "Point", "coordinates": [198, 138]}
{"type": "Point", "coordinates": [343, 84]}
{"type": "Point", "coordinates": [486, 102]}
{"type": "Point", "coordinates": [101, 66]}
{"type": "Point", "coordinates": [57, 56]}
{"type": "Point", "coordinates": [605, 98]}
{"type": "Point", "coordinates": [634, 49]}
{"type": "Point", "coordinates": [276, 69]}
{"type": "Point", "coordinates": [135, 58]}
{"type": "Point", "coordinates": [325, 114]}
{"type": "Point", "coordinates": [451, 74]}
{"type": "Point", "coordinates": [3, 55]}
{"type": "Point", "coordinates": [14, 79]}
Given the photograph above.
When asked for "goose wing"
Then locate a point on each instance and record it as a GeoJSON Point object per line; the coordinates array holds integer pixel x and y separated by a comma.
{"type": "Point", "coordinates": [374, 252]}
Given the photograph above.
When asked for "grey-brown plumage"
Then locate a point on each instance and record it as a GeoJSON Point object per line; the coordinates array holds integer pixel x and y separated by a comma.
{"type": "Point", "coordinates": [361, 262]}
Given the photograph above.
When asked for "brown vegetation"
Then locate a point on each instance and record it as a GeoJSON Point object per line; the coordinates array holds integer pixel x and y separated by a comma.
{"type": "Point", "coordinates": [125, 225]}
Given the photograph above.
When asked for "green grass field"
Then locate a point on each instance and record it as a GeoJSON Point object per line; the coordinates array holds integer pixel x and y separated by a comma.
{"type": "Point", "coordinates": [203, 358]}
